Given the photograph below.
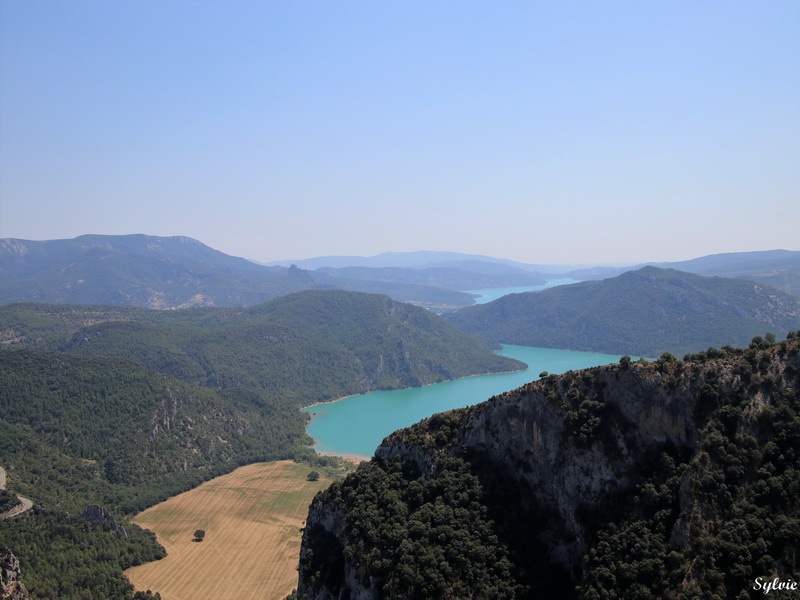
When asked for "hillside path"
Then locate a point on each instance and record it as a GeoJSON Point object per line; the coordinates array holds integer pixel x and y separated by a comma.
{"type": "Point", "coordinates": [24, 503]}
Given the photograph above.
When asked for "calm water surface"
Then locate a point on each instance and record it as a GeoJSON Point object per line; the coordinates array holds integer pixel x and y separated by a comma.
{"type": "Point", "coordinates": [487, 295]}
{"type": "Point", "coordinates": [357, 425]}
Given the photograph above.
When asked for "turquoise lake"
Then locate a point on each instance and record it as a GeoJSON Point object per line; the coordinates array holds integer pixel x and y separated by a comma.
{"type": "Point", "coordinates": [357, 425]}
{"type": "Point", "coordinates": [487, 295]}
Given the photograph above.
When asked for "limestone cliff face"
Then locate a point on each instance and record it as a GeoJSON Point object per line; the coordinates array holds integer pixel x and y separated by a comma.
{"type": "Point", "coordinates": [11, 586]}
{"type": "Point", "coordinates": [558, 458]}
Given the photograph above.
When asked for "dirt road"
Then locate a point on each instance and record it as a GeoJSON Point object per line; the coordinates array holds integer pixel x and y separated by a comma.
{"type": "Point", "coordinates": [24, 503]}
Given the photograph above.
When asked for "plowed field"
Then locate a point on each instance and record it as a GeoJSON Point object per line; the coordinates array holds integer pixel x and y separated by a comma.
{"type": "Point", "coordinates": [251, 518]}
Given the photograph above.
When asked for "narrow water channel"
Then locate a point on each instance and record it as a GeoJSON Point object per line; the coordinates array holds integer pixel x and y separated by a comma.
{"type": "Point", "coordinates": [355, 426]}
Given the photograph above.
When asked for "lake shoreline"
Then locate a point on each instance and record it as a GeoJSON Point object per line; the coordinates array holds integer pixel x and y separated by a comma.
{"type": "Point", "coordinates": [357, 424]}
{"type": "Point", "coordinates": [417, 387]}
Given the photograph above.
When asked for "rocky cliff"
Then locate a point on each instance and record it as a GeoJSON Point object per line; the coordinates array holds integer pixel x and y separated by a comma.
{"type": "Point", "coordinates": [11, 586]}
{"type": "Point", "coordinates": [656, 480]}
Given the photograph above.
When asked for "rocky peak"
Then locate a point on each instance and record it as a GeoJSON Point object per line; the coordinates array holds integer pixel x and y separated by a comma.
{"type": "Point", "coordinates": [11, 586]}
{"type": "Point", "coordinates": [94, 513]}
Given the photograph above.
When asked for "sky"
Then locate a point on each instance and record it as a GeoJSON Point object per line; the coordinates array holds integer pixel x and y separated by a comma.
{"type": "Point", "coordinates": [540, 131]}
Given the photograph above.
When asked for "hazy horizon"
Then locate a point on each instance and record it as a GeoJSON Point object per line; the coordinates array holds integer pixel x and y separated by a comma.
{"type": "Point", "coordinates": [460, 256]}
{"type": "Point", "coordinates": [609, 132]}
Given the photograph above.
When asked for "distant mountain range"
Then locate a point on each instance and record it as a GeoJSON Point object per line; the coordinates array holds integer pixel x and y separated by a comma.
{"type": "Point", "coordinates": [420, 259]}
{"type": "Point", "coordinates": [137, 270]}
{"type": "Point", "coordinates": [777, 268]}
{"type": "Point", "coordinates": [180, 272]}
{"type": "Point", "coordinates": [644, 312]}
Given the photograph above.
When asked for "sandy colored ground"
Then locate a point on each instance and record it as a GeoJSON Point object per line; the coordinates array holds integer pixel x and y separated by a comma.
{"type": "Point", "coordinates": [251, 518]}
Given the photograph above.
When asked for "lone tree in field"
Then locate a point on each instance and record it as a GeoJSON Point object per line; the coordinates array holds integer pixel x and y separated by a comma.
{"type": "Point", "coordinates": [313, 476]}
{"type": "Point", "coordinates": [199, 535]}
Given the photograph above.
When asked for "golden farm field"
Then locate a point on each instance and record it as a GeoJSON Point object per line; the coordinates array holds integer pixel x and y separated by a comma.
{"type": "Point", "coordinates": [251, 518]}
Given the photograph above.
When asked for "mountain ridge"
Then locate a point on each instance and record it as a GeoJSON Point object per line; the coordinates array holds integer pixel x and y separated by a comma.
{"type": "Point", "coordinates": [181, 272]}
{"type": "Point", "coordinates": [644, 312]}
{"type": "Point", "coordinates": [360, 341]}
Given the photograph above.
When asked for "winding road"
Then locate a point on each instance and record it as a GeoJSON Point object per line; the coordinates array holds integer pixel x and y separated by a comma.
{"type": "Point", "coordinates": [24, 503]}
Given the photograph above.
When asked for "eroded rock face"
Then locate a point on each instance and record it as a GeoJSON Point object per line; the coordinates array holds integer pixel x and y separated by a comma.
{"type": "Point", "coordinates": [11, 586]}
{"type": "Point", "coordinates": [556, 459]}
{"type": "Point", "coordinates": [95, 513]}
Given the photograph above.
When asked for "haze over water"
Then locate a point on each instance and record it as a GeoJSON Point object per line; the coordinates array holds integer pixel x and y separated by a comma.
{"type": "Point", "coordinates": [488, 295]}
{"type": "Point", "coordinates": [357, 425]}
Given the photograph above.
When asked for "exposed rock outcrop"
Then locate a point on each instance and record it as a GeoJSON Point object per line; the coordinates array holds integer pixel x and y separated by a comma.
{"type": "Point", "coordinates": [568, 462]}
{"type": "Point", "coordinates": [11, 586]}
{"type": "Point", "coordinates": [94, 513]}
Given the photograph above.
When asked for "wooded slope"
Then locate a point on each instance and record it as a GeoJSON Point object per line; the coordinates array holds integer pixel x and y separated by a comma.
{"type": "Point", "coordinates": [644, 312]}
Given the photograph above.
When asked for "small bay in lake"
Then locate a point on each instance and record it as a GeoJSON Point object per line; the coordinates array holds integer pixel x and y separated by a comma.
{"type": "Point", "coordinates": [357, 425]}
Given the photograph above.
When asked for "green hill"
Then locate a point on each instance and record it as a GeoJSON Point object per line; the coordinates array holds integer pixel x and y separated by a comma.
{"type": "Point", "coordinates": [305, 347]}
{"type": "Point", "coordinates": [133, 435]}
{"type": "Point", "coordinates": [78, 430]}
{"type": "Point", "coordinates": [123, 406]}
{"type": "Point", "coordinates": [644, 312]}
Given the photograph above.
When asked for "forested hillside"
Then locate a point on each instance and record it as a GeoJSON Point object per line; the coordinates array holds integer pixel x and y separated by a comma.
{"type": "Point", "coordinates": [132, 429]}
{"type": "Point", "coordinates": [124, 406]}
{"type": "Point", "coordinates": [644, 312]}
{"type": "Point", "coordinates": [305, 347]}
{"type": "Point", "coordinates": [92, 430]}
{"type": "Point", "coordinates": [660, 480]}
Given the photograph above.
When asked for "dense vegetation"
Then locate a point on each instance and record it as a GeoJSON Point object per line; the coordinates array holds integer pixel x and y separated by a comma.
{"type": "Point", "coordinates": [421, 537]}
{"type": "Point", "coordinates": [7, 501]}
{"type": "Point", "coordinates": [124, 406]}
{"type": "Point", "coordinates": [78, 430]}
{"type": "Point", "coordinates": [301, 348]}
{"type": "Point", "coordinates": [702, 513]}
{"type": "Point", "coordinates": [645, 312]}
{"type": "Point", "coordinates": [66, 558]}
{"type": "Point", "coordinates": [130, 427]}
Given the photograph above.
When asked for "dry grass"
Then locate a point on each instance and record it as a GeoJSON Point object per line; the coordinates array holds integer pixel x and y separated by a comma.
{"type": "Point", "coordinates": [251, 518]}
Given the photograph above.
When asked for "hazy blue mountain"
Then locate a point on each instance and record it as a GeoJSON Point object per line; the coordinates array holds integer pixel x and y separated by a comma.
{"type": "Point", "coordinates": [441, 277]}
{"type": "Point", "coordinates": [644, 312]}
{"type": "Point", "coordinates": [137, 270]}
{"type": "Point", "coordinates": [170, 272]}
{"type": "Point", "coordinates": [777, 268]}
{"type": "Point", "coordinates": [180, 272]}
{"type": "Point", "coordinates": [419, 260]}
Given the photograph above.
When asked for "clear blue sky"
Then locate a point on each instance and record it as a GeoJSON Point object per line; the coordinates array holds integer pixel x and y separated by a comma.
{"type": "Point", "coordinates": [540, 131]}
